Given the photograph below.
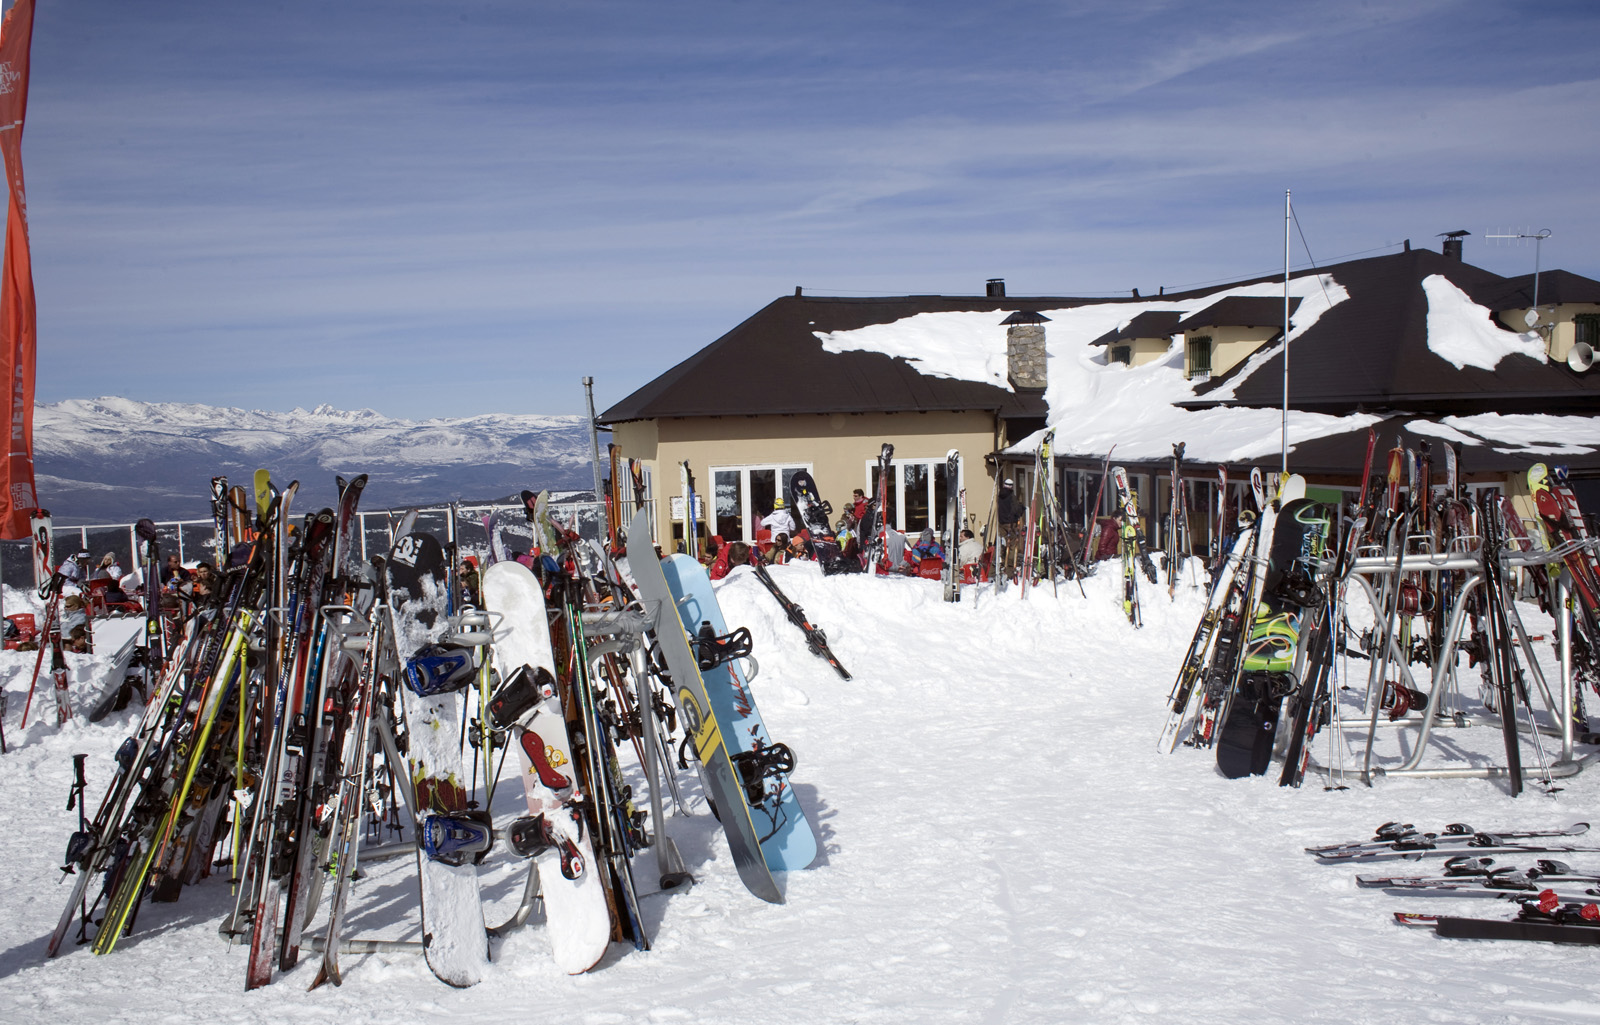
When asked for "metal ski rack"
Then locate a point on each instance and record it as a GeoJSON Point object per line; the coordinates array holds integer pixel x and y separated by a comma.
{"type": "Point", "coordinates": [1379, 578]}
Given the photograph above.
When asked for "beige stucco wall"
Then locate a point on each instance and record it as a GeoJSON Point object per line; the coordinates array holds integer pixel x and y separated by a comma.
{"type": "Point", "coordinates": [1563, 331]}
{"type": "Point", "coordinates": [837, 446]}
{"type": "Point", "coordinates": [1146, 350]}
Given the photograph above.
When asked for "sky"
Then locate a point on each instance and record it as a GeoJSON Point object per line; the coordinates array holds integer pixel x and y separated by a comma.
{"type": "Point", "coordinates": [446, 208]}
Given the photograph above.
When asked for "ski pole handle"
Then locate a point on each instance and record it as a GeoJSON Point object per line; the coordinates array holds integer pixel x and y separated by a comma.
{"type": "Point", "coordinates": [79, 783]}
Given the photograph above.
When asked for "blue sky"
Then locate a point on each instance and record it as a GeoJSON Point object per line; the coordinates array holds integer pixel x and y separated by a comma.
{"type": "Point", "coordinates": [436, 209]}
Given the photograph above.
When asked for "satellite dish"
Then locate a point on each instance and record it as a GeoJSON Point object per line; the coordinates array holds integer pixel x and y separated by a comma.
{"type": "Point", "coordinates": [1531, 318]}
{"type": "Point", "coordinates": [1581, 357]}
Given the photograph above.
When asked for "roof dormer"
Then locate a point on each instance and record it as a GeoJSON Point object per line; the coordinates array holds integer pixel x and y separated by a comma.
{"type": "Point", "coordinates": [1222, 335]}
{"type": "Point", "coordinates": [1566, 309]}
{"type": "Point", "coordinates": [1145, 339]}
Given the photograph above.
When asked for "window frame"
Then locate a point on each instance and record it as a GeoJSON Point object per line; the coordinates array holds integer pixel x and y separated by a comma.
{"type": "Point", "coordinates": [1190, 347]}
{"type": "Point", "coordinates": [897, 500]}
{"type": "Point", "coordinates": [748, 521]}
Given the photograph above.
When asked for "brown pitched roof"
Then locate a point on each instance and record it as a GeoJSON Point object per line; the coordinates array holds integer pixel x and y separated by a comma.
{"type": "Point", "coordinates": [1555, 287]}
{"type": "Point", "coordinates": [1371, 352]}
{"type": "Point", "coordinates": [775, 363]}
{"type": "Point", "coordinates": [1149, 324]}
{"type": "Point", "coordinates": [1241, 311]}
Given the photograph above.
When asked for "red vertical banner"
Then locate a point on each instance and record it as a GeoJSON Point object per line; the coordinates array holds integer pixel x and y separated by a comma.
{"type": "Point", "coordinates": [18, 328]}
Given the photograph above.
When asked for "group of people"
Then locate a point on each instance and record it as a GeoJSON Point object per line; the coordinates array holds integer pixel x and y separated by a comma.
{"type": "Point", "coordinates": [108, 588]}
{"type": "Point", "coordinates": [780, 541]}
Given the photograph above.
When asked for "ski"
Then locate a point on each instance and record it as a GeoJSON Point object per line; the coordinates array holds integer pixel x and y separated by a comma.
{"type": "Point", "coordinates": [952, 524]}
{"type": "Point", "coordinates": [816, 640]}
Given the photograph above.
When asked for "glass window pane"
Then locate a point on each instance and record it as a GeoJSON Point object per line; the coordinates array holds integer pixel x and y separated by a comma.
{"type": "Point", "coordinates": [915, 476]}
{"type": "Point", "coordinates": [730, 505]}
{"type": "Point", "coordinates": [894, 501]}
{"type": "Point", "coordinates": [763, 489]}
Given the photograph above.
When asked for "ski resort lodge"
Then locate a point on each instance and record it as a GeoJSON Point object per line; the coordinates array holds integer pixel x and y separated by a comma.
{"type": "Point", "coordinates": [1417, 344]}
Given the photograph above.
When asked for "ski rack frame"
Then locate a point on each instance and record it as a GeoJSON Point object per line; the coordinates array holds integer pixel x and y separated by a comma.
{"type": "Point", "coordinates": [1459, 559]}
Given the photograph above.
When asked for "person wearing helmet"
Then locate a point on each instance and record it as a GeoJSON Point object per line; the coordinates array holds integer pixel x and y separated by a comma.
{"type": "Point", "coordinates": [778, 520]}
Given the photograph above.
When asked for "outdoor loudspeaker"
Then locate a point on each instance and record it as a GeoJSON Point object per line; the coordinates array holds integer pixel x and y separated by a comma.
{"type": "Point", "coordinates": [1581, 357]}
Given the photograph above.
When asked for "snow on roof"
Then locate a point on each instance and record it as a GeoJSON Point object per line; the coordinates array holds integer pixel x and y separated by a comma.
{"type": "Point", "coordinates": [1532, 433]}
{"type": "Point", "coordinates": [1461, 331]}
{"type": "Point", "coordinates": [1097, 404]}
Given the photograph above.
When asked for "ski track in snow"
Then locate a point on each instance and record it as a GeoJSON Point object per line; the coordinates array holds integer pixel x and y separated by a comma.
{"type": "Point", "coordinates": [1002, 842]}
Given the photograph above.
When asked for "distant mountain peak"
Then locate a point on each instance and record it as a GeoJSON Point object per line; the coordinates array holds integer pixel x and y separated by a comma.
{"type": "Point", "coordinates": [113, 459]}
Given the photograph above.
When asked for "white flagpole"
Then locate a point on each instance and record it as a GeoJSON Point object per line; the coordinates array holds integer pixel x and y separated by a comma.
{"type": "Point", "coordinates": [1287, 215]}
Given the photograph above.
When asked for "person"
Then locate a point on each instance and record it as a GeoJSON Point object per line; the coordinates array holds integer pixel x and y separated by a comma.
{"type": "Point", "coordinates": [779, 552]}
{"type": "Point", "coordinates": [732, 555]}
{"type": "Point", "coordinates": [779, 521]}
{"type": "Point", "coordinates": [468, 575]}
{"type": "Point", "coordinates": [108, 568]}
{"type": "Point", "coordinates": [205, 582]}
{"type": "Point", "coordinates": [1009, 511]}
{"type": "Point", "coordinates": [927, 547]}
{"type": "Point", "coordinates": [800, 547]}
{"type": "Point", "coordinates": [174, 575]}
{"type": "Point", "coordinates": [970, 551]}
{"type": "Point", "coordinates": [858, 505]}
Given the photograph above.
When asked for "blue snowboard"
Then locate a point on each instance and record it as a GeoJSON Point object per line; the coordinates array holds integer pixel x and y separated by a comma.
{"type": "Point", "coordinates": [787, 840]}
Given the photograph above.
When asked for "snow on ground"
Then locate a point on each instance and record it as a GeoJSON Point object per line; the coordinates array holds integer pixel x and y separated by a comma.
{"type": "Point", "coordinates": [1002, 843]}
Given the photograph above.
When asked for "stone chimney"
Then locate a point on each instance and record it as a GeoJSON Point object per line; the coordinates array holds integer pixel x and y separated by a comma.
{"type": "Point", "coordinates": [1025, 352]}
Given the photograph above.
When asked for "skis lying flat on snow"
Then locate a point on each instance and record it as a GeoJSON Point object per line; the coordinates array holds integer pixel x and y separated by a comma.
{"type": "Point", "coordinates": [1544, 920]}
{"type": "Point", "coordinates": [1470, 871]}
{"type": "Point", "coordinates": [816, 640]}
{"type": "Point", "coordinates": [1394, 837]}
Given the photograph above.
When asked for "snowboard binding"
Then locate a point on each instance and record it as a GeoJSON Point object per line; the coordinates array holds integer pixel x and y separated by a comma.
{"type": "Point", "coordinates": [532, 835]}
{"type": "Point", "coordinates": [456, 837]}
{"type": "Point", "coordinates": [436, 669]}
{"type": "Point", "coordinates": [526, 688]}
{"type": "Point", "coordinates": [757, 766]}
{"type": "Point", "coordinates": [711, 650]}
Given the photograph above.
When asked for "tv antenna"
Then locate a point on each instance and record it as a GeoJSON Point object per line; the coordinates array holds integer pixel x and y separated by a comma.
{"type": "Point", "coordinates": [1531, 318]}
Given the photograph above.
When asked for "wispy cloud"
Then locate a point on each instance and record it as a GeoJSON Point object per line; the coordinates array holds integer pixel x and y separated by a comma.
{"type": "Point", "coordinates": [538, 191]}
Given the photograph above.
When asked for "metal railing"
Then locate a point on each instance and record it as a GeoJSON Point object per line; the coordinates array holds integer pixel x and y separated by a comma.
{"type": "Point", "coordinates": [195, 540]}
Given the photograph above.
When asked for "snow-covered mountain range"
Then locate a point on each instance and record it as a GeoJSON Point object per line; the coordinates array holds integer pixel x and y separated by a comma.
{"type": "Point", "coordinates": [112, 460]}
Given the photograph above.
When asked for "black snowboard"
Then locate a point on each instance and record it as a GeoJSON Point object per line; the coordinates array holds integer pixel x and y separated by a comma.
{"type": "Point", "coordinates": [1245, 741]}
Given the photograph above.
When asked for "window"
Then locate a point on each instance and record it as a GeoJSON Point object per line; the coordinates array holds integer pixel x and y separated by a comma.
{"type": "Point", "coordinates": [1122, 354]}
{"type": "Point", "coordinates": [918, 492]}
{"type": "Point", "coordinates": [1198, 357]}
{"type": "Point", "coordinates": [744, 494]}
{"type": "Point", "coordinates": [1586, 329]}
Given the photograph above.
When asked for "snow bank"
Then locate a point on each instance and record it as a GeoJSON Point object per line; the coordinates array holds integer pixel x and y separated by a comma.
{"type": "Point", "coordinates": [1002, 842]}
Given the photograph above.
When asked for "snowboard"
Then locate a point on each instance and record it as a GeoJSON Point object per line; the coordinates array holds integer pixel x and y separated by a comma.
{"type": "Point", "coordinates": [787, 840]}
{"type": "Point", "coordinates": [576, 912]}
{"type": "Point", "coordinates": [813, 514]}
{"type": "Point", "coordinates": [455, 939]}
{"type": "Point", "coordinates": [116, 678]}
{"type": "Point", "coordinates": [721, 779]}
{"type": "Point", "coordinates": [1245, 742]}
